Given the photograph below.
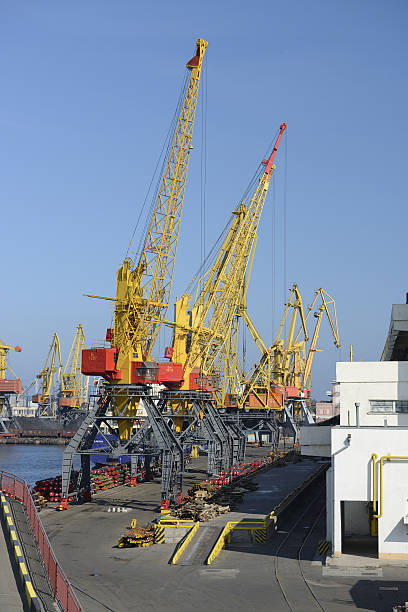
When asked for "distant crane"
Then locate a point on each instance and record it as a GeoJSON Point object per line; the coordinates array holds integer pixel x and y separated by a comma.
{"type": "Point", "coordinates": [50, 375]}
{"type": "Point", "coordinates": [327, 304]}
{"type": "Point", "coordinates": [7, 386]}
{"type": "Point", "coordinates": [283, 375]}
{"type": "Point", "coordinates": [264, 386]}
{"type": "Point", "coordinates": [74, 386]}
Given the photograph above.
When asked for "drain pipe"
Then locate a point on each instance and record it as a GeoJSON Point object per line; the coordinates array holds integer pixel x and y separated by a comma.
{"type": "Point", "coordinates": [357, 405]}
{"type": "Point", "coordinates": [374, 459]}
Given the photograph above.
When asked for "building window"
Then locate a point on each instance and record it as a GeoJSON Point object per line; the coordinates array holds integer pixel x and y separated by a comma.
{"type": "Point", "coordinates": [401, 406]}
{"type": "Point", "coordinates": [381, 406]}
{"type": "Point", "coordinates": [389, 406]}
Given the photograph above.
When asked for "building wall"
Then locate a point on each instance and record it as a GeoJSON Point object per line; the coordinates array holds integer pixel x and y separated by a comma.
{"type": "Point", "coordinates": [315, 441]}
{"type": "Point", "coordinates": [336, 397]}
{"type": "Point", "coordinates": [352, 448]}
{"type": "Point", "coordinates": [324, 410]}
{"type": "Point", "coordinates": [364, 381]}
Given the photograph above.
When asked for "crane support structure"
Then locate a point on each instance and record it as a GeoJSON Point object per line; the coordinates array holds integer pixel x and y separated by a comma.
{"type": "Point", "coordinates": [143, 288]}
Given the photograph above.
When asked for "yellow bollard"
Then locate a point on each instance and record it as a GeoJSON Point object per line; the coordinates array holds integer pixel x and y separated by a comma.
{"type": "Point", "coordinates": [194, 452]}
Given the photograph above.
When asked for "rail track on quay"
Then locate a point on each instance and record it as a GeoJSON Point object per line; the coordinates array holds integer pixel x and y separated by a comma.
{"type": "Point", "coordinates": [296, 546]}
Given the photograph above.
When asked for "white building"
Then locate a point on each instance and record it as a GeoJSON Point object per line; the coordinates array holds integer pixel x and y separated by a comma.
{"type": "Point", "coordinates": [368, 433]}
{"type": "Point", "coordinates": [367, 483]}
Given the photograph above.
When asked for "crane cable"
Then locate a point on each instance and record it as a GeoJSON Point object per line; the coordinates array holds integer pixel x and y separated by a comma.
{"type": "Point", "coordinates": [156, 173]}
{"type": "Point", "coordinates": [210, 258]}
{"type": "Point", "coordinates": [285, 179]}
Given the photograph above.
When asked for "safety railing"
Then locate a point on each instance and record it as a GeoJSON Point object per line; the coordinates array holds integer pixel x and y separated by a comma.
{"type": "Point", "coordinates": [15, 487]}
{"type": "Point", "coordinates": [219, 545]}
{"type": "Point", "coordinates": [184, 543]}
{"type": "Point", "coordinates": [251, 526]}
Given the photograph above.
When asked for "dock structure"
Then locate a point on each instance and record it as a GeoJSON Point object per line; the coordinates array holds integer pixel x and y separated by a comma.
{"type": "Point", "coordinates": [85, 539]}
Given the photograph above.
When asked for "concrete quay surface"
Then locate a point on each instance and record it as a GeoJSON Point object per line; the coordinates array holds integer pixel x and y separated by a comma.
{"type": "Point", "coordinates": [241, 578]}
{"type": "Point", "coordinates": [85, 538]}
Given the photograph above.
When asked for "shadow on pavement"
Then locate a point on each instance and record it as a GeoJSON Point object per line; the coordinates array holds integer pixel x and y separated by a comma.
{"type": "Point", "coordinates": [379, 595]}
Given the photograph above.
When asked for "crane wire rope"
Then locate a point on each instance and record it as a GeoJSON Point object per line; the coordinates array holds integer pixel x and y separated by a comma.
{"type": "Point", "coordinates": [158, 170]}
{"type": "Point", "coordinates": [210, 258]}
{"type": "Point", "coordinates": [285, 178]}
{"type": "Point", "coordinates": [273, 258]}
{"type": "Point", "coordinates": [164, 157]}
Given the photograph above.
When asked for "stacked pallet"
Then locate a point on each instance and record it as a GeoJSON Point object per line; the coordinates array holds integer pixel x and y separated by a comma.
{"type": "Point", "coordinates": [137, 536]}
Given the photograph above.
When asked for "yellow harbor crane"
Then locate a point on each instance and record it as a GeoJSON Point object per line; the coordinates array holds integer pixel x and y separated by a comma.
{"type": "Point", "coordinates": [50, 375]}
{"type": "Point", "coordinates": [205, 335]}
{"type": "Point", "coordinates": [284, 371]}
{"type": "Point", "coordinates": [302, 373]}
{"type": "Point", "coordinates": [143, 289]}
{"type": "Point", "coordinates": [7, 386]}
{"type": "Point", "coordinates": [264, 385]}
{"type": "Point", "coordinates": [74, 386]}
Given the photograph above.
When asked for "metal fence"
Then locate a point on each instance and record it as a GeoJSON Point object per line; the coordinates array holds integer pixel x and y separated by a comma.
{"type": "Point", "coordinates": [17, 488]}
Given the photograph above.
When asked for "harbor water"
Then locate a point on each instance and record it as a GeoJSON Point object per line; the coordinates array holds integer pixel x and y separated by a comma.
{"type": "Point", "coordinates": [31, 461]}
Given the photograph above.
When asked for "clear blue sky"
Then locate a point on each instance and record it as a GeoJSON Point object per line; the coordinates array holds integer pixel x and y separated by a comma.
{"type": "Point", "coordinates": [88, 89]}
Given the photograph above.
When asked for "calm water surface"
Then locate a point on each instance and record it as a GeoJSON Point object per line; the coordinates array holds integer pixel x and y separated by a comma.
{"type": "Point", "coordinates": [31, 461]}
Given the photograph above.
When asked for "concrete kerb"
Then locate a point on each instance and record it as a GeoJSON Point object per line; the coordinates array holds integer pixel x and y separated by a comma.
{"type": "Point", "coordinates": [33, 600]}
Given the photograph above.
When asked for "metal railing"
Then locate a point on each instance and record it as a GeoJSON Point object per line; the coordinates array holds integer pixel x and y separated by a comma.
{"type": "Point", "coordinates": [177, 523]}
{"type": "Point", "coordinates": [251, 526]}
{"type": "Point", "coordinates": [17, 488]}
